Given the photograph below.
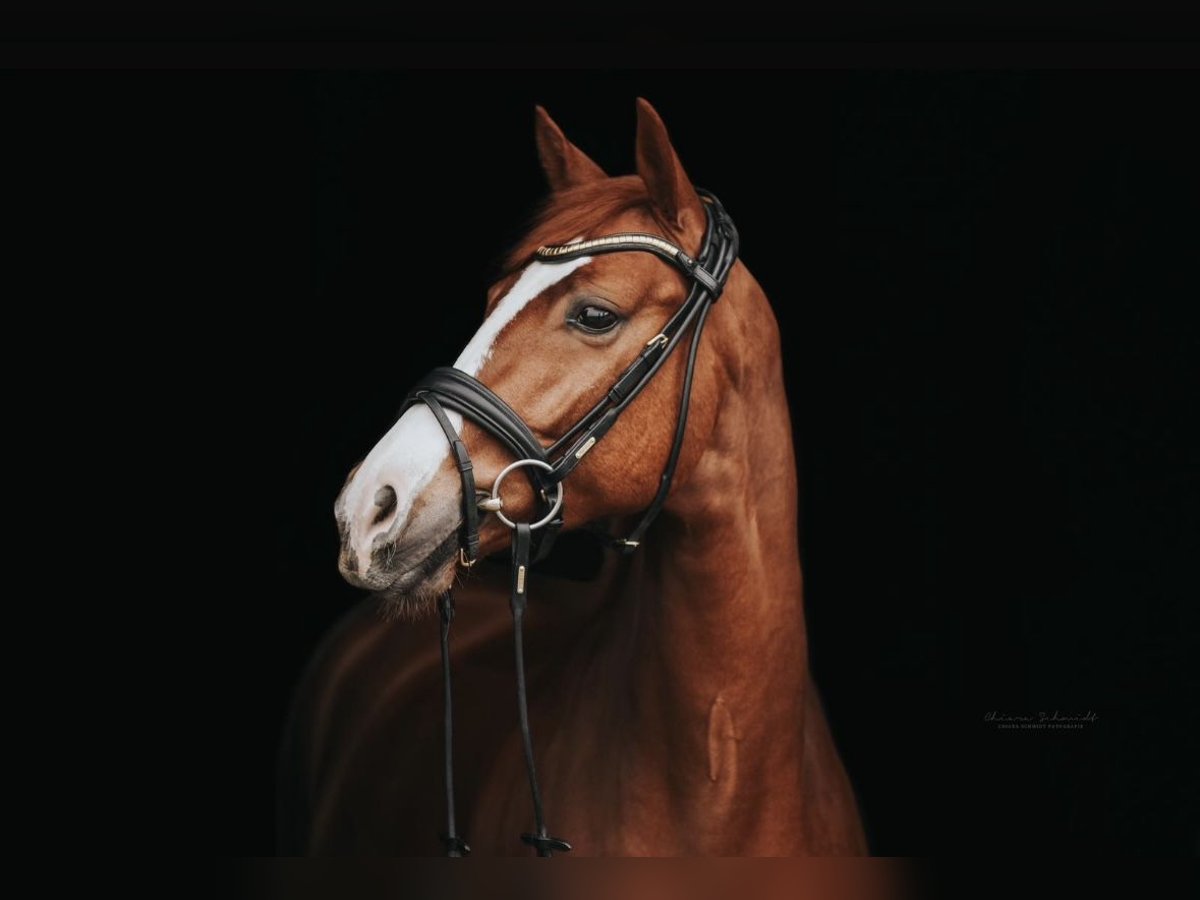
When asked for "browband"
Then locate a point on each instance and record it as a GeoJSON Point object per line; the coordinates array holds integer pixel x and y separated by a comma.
{"type": "Point", "coordinates": [632, 240]}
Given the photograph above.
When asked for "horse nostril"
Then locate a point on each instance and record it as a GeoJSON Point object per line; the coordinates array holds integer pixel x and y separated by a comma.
{"type": "Point", "coordinates": [385, 502]}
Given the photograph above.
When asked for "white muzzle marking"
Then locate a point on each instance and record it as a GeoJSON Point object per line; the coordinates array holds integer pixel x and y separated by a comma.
{"type": "Point", "coordinates": [412, 451]}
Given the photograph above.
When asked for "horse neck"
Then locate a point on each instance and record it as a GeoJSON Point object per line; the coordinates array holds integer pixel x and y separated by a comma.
{"type": "Point", "coordinates": [718, 657]}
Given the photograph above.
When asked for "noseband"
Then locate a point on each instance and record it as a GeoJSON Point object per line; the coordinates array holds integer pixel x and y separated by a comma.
{"type": "Point", "coordinates": [547, 467]}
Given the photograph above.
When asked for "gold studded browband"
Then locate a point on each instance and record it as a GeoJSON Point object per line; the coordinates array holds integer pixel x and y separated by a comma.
{"type": "Point", "coordinates": [631, 240]}
{"type": "Point", "coordinates": [627, 237]}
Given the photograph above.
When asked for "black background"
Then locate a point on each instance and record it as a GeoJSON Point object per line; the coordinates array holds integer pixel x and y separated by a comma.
{"type": "Point", "coordinates": [986, 287]}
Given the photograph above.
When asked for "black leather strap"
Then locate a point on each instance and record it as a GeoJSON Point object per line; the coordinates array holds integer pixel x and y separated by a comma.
{"type": "Point", "coordinates": [447, 387]}
{"type": "Point", "coordinates": [521, 541]}
{"type": "Point", "coordinates": [630, 241]}
{"type": "Point", "coordinates": [472, 398]}
{"type": "Point", "coordinates": [631, 542]}
{"type": "Point", "coordinates": [466, 473]}
{"type": "Point", "coordinates": [631, 383]}
{"type": "Point", "coordinates": [455, 845]}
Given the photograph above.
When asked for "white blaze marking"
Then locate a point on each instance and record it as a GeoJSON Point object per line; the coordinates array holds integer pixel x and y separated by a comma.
{"type": "Point", "coordinates": [409, 455]}
{"type": "Point", "coordinates": [536, 278]}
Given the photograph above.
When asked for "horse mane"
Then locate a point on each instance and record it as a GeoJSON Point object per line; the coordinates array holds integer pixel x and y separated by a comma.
{"type": "Point", "coordinates": [578, 210]}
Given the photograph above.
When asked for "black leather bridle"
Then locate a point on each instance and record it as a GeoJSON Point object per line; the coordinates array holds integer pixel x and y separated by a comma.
{"type": "Point", "coordinates": [546, 467]}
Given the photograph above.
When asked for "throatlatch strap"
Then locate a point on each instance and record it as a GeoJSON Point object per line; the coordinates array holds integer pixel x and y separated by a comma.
{"type": "Point", "coordinates": [541, 839]}
{"type": "Point", "coordinates": [455, 844]}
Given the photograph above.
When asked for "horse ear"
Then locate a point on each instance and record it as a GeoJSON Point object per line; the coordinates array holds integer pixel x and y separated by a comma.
{"type": "Point", "coordinates": [565, 164]}
{"type": "Point", "coordinates": [657, 163]}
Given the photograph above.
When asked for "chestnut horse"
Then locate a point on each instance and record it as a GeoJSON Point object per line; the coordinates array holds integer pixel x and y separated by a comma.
{"type": "Point", "coordinates": [670, 697]}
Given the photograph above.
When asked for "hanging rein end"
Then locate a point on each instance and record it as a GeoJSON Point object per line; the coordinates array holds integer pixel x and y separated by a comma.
{"type": "Point", "coordinates": [455, 846]}
{"type": "Point", "coordinates": [546, 845]}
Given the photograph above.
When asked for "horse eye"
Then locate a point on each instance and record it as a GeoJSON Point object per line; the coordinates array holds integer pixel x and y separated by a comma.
{"type": "Point", "coordinates": [595, 319]}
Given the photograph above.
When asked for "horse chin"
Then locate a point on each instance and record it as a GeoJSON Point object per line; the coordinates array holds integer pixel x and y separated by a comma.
{"type": "Point", "coordinates": [414, 592]}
